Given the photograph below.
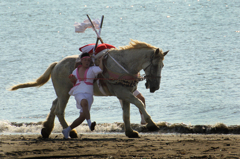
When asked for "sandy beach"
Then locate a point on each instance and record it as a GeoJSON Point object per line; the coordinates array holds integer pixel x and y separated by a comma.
{"type": "Point", "coordinates": [120, 146]}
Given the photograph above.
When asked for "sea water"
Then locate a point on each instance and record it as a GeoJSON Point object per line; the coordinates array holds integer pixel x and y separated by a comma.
{"type": "Point", "coordinates": [200, 80]}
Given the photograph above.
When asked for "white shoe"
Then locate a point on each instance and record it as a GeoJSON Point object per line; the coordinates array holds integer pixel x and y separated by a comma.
{"type": "Point", "coordinates": [66, 134]}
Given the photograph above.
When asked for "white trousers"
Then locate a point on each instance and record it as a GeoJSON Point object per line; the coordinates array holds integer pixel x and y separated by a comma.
{"type": "Point", "coordinates": [80, 96]}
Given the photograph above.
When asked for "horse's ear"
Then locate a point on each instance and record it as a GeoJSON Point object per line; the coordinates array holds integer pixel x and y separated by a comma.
{"type": "Point", "coordinates": [157, 51]}
{"type": "Point", "coordinates": [165, 53]}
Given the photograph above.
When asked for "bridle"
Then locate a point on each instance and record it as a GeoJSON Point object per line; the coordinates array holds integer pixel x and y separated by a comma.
{"type": "Point", "coordinates": [150, 65]}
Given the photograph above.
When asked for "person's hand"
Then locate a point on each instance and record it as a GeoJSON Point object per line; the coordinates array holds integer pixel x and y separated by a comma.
{"type": "Point", "coordinates": [72, 78]}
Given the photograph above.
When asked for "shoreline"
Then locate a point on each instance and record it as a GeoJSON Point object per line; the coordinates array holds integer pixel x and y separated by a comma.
{"type": "Point", "coordinates": [118, 127]}
{"type": "Point", "coordinates": [120, 146]}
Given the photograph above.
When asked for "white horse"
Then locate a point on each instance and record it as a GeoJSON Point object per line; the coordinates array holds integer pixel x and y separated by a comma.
{"type": "Point", "coordinates": [115, 82]}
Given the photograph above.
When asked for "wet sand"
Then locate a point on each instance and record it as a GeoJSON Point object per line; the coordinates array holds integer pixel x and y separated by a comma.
{"type": "Point", "coordinates": [120, 146]}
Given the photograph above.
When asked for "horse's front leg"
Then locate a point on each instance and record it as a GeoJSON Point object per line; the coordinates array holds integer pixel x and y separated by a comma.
{"type": "Point", "coordinates": [150, 124]}
{"type": "Point", "coordinates": [129, 132]}
{"type": "Point", "coordinates": [129, 97]}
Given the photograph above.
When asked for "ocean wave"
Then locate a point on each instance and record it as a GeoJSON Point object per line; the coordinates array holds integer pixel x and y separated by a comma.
{"type": "Point", "coordinates": [7, 127]}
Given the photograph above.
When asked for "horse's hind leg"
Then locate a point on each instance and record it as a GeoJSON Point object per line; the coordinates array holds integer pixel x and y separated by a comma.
{"type": "Point", "coordinates": [60, 111]}
{"type": "Point", "coordinates": [129, 132]}
{"type": "Point", "coordinates": [49, 123]}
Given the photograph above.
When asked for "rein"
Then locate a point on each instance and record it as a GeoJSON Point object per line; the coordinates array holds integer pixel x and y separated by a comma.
{"type": "Point", "coordinates": [117, 63]}
{"type": "Point", "coordinates": [134, 77]}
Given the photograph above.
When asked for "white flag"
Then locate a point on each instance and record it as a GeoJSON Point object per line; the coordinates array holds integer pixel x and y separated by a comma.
{"type": "Point", "coordinates": [81, 27]}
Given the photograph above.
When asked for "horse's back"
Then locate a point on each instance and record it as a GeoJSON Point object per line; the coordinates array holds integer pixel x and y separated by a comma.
{"type": "Point", "coordinates": [66, 65]}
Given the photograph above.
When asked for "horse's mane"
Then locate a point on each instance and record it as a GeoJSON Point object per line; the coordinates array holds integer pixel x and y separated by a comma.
{"type": "Point", "coordinates": [135, 44]}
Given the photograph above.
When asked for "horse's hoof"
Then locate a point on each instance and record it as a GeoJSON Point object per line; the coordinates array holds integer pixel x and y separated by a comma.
{"type": "Point", "coordinates": [73, 133]}
{"type": "Point", "coordinates": [133, 134]}
{"type": "Point", "coordinates": [45, 133]}
{"type": "Point", "coordinates": [152, 127]}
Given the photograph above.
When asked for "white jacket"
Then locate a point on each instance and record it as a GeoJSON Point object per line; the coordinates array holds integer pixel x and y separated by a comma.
{"type": "Point", "coordinates": [85, 86]}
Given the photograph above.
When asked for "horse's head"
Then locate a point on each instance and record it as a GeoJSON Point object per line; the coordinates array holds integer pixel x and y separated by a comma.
{"type": "Point", "coordinates": [153, 69]}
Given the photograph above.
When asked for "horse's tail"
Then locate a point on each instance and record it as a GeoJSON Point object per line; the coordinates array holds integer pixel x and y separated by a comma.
{"type": "Point", "coordinates": [38, 82]}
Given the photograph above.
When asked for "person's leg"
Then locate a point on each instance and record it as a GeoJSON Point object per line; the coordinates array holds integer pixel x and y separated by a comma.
{"type": "Point", "coordinates": [140, 96]}
{"type": "Point", "coordinates": [137, 94]}
{"type": "Point", "coordinates": [75, 123]}
{"type": "Point", "coordinates": [84, 114]}
{"type": "Point", "coordinates": [81, 104]}
{"type": "Point", "coordinates": [78, 121]}
{"type": "Point", "coordinates": [86, 111]}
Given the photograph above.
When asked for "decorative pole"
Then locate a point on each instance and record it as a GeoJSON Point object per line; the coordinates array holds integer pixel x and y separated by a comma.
{"type": "Point", "coordinates": [99, 33]}
{"type": "Point", "coordinates": [95, 29]}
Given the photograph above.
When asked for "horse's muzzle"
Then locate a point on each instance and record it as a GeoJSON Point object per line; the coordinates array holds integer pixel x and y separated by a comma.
{"type": "Point", "coordinates": [153, 89]}
{"type": "Point", "coordinates": [153, 85]}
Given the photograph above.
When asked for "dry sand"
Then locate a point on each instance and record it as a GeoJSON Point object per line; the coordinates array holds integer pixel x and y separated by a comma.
{"type": "Point", "coordinates": [120, 146]}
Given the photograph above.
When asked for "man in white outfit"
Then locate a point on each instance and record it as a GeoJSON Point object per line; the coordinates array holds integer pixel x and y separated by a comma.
{"type": "Point", "coordinates": [82, 78]}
